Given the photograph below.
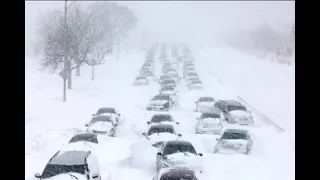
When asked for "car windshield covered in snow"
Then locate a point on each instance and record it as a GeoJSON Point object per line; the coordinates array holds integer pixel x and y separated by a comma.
{"type": "Point", "coordinates": [234, 135]}
{"type": "Point", "coordinates": [68, 162]}
{"type": "Point", "coordinates": [89, 137]}
{"type": "Point", "coordinates": [161, 97]}
{"type": "Point", "coordinates": [209, 115]}
{"type": "Point", "coordinates": [233, 108]}
{"type": "Point", "coordinates": [196, 82]}
{"type": "Point", "coordinates": [160, 129]}
{"type": "Point", "coordinates": [178, 146]}
{"type": "Point", "coordinates": [167, 89]}
{"type": "Point", "coordinates": [140, 78]}
{"type": "Point", "coordinates": [178, 175]}
{"type": "Point", "coordinates": [167, 81]}
{"type": "Point", "coordinates": [100, 119]}
{"type": "Point", "coordinates": [106, 110]}
{"type": "Point", "coordinates": [206, 99]}
{"type": "Point", "coordinates": [161, 118]}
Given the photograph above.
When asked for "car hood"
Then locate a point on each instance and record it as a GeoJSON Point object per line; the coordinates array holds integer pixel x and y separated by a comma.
{"type": "Point", "coordinates": [68, 177]}
{"type": "Point", "coordinates": [167, 92]}
{"type": "Point", "coordinates": [205, 104]}
{"type": "Point", "coordinates": [158, 102]}
{"type": "Point", "coordinates": [210, 122]}
{"type": "Point", "coordinates": [189, 160]}
{"type": "Point", "coordinates": [231, 146]}
{"type": "Point", "coordinates": [79, 146]}
{"type": "Point", "coordinates": [100, 126]}
{"type": "Point", "coordinates": [161, 137]}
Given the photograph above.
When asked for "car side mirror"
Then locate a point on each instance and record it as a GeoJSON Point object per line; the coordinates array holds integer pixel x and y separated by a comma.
{"type": "Point", "coordinates": [144, 134]}
{"type": "Point", "coordinates": [200, 154]}
{"type": "Point", "coordinates": [37, 175]}
{"type": "Point", "coordinates": [95, 175]}
{"type": "Point", "coordinates": [86, 125]}
{"type": "Point", "coordinates": [179, 135]}
{"type": "Point", "coordinates": [119, 114]}
{"type": "Point", "coordinates": [115, 125]}
{"type": "Point", "coordinates": [177, 122]}
{"type": "Point", "coordinates": [93, 114]}
{"type": "Point", "coordinates": [148, 122]}
{"type": "Point", "coordinates": [196, 102]}
{"type": "Point", "coordinates": [198, 118]}
{"type": "Point", "coordinates": [217, 139]}
{"type": "Point", "coordinates": [159, 154]}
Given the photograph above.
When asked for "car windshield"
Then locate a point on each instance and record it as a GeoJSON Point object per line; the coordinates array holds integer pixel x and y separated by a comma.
{"type": "Point", "coordinates": [168, 82]}
{"type": "Point", "coordinates": [234, 135]}
{"type": "Point", "coordinates": [210, 115]}
{"type": "Point", "coordinates": [100, 119]}
{"type": "Point", "coordinates": [84, 137]}
{"type": "Point", "coordinates": [196, 82]}
{"type": "Point", "coordinates": [160, 129]}
{"type": "Point", "coordinates": [178, 176]}
{"type": "Point", "coordinates": [56, 169]}
{"type": "Point", "coordinates": [106, 110]}
{"type": "Point", "coordinates": [179, 147]}
{"type": "Point", "coordinates": [158, 119]}
{"type": "Point", "coordinates": [206, 99]}
{"type": "Point", "coordinates": [233, 108]}
{"type": "Point", "coordinates": [166, 98]}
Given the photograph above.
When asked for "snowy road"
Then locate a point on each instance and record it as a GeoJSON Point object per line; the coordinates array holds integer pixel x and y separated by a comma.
{"type": "Point", "coordinates": [129, 156]}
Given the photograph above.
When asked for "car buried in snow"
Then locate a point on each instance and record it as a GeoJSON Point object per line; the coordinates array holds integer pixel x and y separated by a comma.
{"type": "Point", "coordinates": [234, 141]}
{"type": "Point", "coordinates": [168, 83]}
{"type": "Point", "coordinates": [209, 123]}
{"type": "Point", "coordinates": [195, 85]}
{"type": "Point", "coordinates": [234, 112]}
{"type": "Point", "coordinates": [79, 165]}
{"type": "Point", "coordinates": [160, 102]}
{"type": "Point", "coordinates": [162, 119]}
{"type": "Point", "coordinates": [159, 133]}
{"type": "Point", "coordinates": [175, 174]}
{"type": "Point", "coordinates": [102, 125]}
{"type": "Point", "coordinates": [109, 111]}
{"type": "Point", "coordinates": [177, 153]}
{"type": "Point", "coordinates": [204, 103]}
{"type": "Point", "coordinates": [168, 90]}
{"type": "Point", "coordinates": [141, 81]}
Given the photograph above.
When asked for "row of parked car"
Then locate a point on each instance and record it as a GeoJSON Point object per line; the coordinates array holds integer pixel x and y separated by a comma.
{"type": "Point", "coordinates": [77, 158]}
{"type": "Point", "coordinates": [175, 157]}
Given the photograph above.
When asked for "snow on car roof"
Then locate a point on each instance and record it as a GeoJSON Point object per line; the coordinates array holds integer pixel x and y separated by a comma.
{"type": "Point", "coordinates": [70, 158]}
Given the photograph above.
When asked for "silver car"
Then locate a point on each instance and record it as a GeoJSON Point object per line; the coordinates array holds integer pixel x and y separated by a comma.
{"type": "Point", "coordinates": [234, 141]}
{"type": "Point", "coordinates": [234, 112]}
{"type": "Point", "coordinates": [204, 104]}
{"type": "Point", "coordinates": [209, 123]}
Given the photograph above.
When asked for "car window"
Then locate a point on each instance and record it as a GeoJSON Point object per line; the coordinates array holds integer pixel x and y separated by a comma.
{"type": "Point", "coordinates": [234, 135]}
{"type": "Point", "coordinates": [106, 110]}
{"type": "Point", "coordinates": [158, 119]}
{"type": "Point", "coordinates": [175, 148]}
{"type": "Point", "coordinates": [56, 169]}
{"type": "Point", "coordinates": [160, 129]}
{"type": "Point", "coordinates": [81, 137]}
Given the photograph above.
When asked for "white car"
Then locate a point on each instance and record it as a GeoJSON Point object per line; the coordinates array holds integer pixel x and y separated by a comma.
{"type": "Point", "coordinates": [141, 81]}
{"type": "Point", "coordinates": [239, 116]}
{"type": "Point", "coordinates": [109, 111]}
{"type": "Point", "coordinates": [102, 125]}
{"type": "Point", "coordinates": [80, 165]}
{"type": "Point", "coordinates": [209, 123]}
{"type": "Point", "coordinates": [160, 102]}
{"type": "Point", "coordinates": [170, 91]}
{"type": "Point", "coordinates": [234, 141]}
{"type": "Point", "coordinates": [204, 104]}
{"type": "Point", "coordinates": [195, 85]}
{"type": "Point", "coordinates": [159, 133]}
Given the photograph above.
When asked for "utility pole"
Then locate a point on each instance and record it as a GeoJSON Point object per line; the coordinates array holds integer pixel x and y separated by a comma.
{"type": "Point", "coordinates": [65, 54]}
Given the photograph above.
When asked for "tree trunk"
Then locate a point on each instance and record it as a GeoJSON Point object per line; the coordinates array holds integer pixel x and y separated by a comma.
{"type": "Point", "coordinates": [92, 78]}
{"type": "Point", "coordinates": [64, 90]}
{"type": "Point", "coordinates": [78, 71]}
{"type": "Point", "coordinates": [70, 81]}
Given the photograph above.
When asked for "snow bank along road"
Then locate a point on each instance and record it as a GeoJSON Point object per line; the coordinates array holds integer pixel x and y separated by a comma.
{"type": "Point", "coordinates": [50, 124]}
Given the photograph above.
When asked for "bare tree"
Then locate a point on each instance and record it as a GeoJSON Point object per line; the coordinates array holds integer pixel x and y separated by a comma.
{"type": "Point", "coordinates": [97, 57]}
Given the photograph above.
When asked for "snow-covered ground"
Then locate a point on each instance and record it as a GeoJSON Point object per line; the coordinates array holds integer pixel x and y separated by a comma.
{"type": "Point", "coordinates": [50, 123]}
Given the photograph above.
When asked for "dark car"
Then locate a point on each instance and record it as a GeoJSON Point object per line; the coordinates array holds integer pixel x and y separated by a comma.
{"type": "Point", "coordinates": [175, 174]}
{"type": "Point", "coordinates": [72, 163]}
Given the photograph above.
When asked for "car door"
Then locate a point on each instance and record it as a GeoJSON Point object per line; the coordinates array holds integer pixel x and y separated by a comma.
{"type": "Point", "coordinates": [161, 151]}
{"type": "Point", "coordinates": [93, 166]}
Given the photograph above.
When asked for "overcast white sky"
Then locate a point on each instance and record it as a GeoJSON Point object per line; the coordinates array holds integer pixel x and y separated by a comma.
{"type": "Point", "coordinates": [193, 20]}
